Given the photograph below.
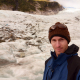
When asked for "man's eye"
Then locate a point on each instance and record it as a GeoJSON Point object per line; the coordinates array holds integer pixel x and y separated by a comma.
{"type": "Point", "coordinates": [53, 40]}
{"type": "Point", "coordinates": [61, 39]}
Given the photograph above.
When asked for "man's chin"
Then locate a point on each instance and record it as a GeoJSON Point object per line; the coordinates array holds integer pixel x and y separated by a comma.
{"type": "Point", "coordinates": [58, 53]}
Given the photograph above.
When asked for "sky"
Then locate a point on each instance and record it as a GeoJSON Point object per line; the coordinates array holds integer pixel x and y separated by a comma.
{"type": "Point", "coordinates": [69, 3]}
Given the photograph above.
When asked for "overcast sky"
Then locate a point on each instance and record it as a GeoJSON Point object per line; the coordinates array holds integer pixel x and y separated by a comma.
{"type": "Point", "coordinates": [69, 3]}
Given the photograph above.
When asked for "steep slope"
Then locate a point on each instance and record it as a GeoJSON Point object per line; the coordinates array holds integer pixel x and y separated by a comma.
{"type": "Point", "coordinates": [35, 7]}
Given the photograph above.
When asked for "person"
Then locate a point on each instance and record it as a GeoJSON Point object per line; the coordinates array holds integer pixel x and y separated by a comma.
{"type": "Point", "coordinates": [64, 63]}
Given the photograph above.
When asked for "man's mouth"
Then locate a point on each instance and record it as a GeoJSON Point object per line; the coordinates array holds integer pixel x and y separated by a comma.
{"type": "Point", "coordinates": [59, 49]}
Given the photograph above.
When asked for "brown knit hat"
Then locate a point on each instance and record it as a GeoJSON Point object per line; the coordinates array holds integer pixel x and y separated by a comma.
{"type": "Point", "coordinates": [59, 29]}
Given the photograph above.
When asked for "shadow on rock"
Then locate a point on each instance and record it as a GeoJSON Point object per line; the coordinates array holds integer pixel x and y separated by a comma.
{"type": "Point", "coordinates": [4, 62]}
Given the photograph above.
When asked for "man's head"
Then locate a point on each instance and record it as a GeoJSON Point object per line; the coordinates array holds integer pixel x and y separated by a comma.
{"type": "Point", "coordinates": [59, 37]}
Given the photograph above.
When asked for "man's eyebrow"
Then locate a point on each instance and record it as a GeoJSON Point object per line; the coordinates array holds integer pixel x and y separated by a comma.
{"type": "Point", "coordinates": [53, 39]}
{"type": "Point", "coordinates": [61, 38]}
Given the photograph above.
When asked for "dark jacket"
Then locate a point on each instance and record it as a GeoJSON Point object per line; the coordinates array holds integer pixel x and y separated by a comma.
{"type": "Point", "coordinates": [64, 67]}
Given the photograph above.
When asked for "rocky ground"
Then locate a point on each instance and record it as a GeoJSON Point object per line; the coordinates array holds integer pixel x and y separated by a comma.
{"type": "Point", "coordinates": [24, 44]}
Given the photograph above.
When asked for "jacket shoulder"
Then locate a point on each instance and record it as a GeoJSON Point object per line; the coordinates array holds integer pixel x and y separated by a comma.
{"type": "Point", "coordinates": [74, 60]}
{"type": "Point", "coordinates": [73, 67]}
{"type": "Point", "coordinates": [47, 60]}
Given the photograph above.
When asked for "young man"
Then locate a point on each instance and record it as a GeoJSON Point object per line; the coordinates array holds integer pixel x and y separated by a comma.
{"type": "Point", "coordinates": [64, 63]}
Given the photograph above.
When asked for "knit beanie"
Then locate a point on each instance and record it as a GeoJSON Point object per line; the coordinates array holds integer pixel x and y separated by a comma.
{"type": "Point", "coordinates": [59, 30]}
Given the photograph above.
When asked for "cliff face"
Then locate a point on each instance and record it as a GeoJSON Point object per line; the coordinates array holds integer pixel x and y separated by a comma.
{"type": "Point", "coordinates": [35, 7]}
{"type": "Point", "coordinates": [48, 7]}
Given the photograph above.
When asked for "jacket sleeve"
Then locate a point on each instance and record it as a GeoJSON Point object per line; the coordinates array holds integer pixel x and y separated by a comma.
{"type": "Point", "coordinates": [78, 75]}
{"type": "Point", "coordinates": [44, 75]}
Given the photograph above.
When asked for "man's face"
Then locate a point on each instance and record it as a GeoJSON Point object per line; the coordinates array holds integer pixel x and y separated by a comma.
{"type": "Point", "coordinates": [59, 44]}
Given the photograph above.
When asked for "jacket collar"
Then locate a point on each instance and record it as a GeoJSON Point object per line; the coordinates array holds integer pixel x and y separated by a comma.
{"type": "Point", "coordinates": [71, 51]}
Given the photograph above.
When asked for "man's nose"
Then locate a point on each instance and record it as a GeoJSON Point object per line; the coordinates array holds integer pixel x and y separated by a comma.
{"type": "Point", "coordinates": [57, 44]}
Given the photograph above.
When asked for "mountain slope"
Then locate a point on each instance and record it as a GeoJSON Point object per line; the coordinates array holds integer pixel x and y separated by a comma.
{"type": "Point", "coordinates": [36, 7]}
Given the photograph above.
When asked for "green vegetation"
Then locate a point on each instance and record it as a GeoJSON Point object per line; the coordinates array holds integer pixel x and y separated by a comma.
{"type": "Point", "coordinates": [30, 5]}
{"type": "Point", "coordinates": [26, 5]}
{"type": "Point", "coordinates": [7, 2]}
{"type": "Point", "coordinates": [49, 5]}
{"type": "Point", "coordinates": [21, 5]}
